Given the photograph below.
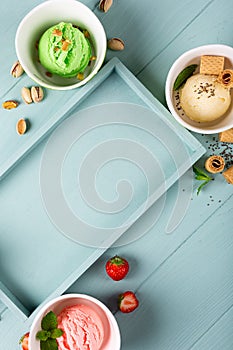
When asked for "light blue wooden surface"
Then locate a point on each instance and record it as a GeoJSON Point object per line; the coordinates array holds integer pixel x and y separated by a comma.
{"type": "Point", "coordinates": [183, 280]}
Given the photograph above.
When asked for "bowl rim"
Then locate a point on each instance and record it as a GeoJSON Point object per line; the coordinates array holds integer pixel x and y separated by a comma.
{"type": "Point", "coordinates": [100, 59]}
{"type": "Point", "coordinates": [168, 91]}
{"type": "Point", "coordinates": [109, 314]}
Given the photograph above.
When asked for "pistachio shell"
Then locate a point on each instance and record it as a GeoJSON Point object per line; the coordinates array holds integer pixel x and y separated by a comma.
{"type": "Point", "coordinates": [26, 95]}
{"type": "Point", "coordinates": [16, 70]}
{"type": "Point", "coordinates": [116, 44]}
{"type": "Point", "coordinates": [21, 126]}
{"type": "Point", "coordinates": [105, 5]}
{"type": "Point", "coordinates": [37, 94]}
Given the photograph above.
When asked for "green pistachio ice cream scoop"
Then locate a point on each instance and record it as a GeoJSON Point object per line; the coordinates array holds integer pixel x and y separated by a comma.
{"type": "Point", "coordinates": [64, 50]}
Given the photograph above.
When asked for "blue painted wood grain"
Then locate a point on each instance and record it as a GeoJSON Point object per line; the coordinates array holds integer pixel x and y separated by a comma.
{"type": "Point", "coordinates": [154, 74]}
{"type": "Point", "coordinates": [183, 280]}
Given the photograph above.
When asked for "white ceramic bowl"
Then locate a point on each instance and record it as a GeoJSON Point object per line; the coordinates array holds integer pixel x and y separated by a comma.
{"type": "Point", "coordinates": [38, 20]}
{"type": "Point", "coordinates": [193, 57]}
{"type": "Point", "coordinates": [112, 339]}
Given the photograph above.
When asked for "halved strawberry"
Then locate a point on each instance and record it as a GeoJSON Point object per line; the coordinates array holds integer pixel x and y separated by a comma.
{"type": "Point", "coordinates": [117, 268]}
{"type": "Point", "coordinates": [127, 302]}
{"type": "Point", "coordinates": [24, 341]}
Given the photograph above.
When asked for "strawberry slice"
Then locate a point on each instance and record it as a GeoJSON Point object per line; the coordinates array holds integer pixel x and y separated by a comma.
{"type": "Point", "coordinates": [117, 268]}
{"type": "Point", "coordinates": [24, 341]}
{"type": "Point", "coordinates": [127, 302]}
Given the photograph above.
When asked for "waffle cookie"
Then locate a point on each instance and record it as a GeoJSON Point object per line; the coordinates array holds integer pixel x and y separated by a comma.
{"type": "Point", "coordinates": [212, 65]}
{"type": "Point", "coordinates": [226, 136]}
{"type": "Point", "coordinates": [228, 174]}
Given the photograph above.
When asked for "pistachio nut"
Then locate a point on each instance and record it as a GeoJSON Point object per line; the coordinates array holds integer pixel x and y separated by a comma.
{"type": "Point", "coordinates": [93, 58]}
{"type": "Point", "coordinates": [26, 95]}
{"type": "Point", "coordinates": [21, 126]}
{"type": "Point", "coordinates": [48, 74]}
{"type": "Point", "coordinates": [80, 76]}
{"type": "Point", "coordinates": [37, 93]}
{"type": "Point", "coordinates": [105, 5]}
{"type": "Point", "coordinates": [86, 33]}
{"type": "Point", "coordinates": [10, 104]}
{"type": "Point", "coordinates": [116, 44]}
{"type": "Point", "coordinates": [16, 70]}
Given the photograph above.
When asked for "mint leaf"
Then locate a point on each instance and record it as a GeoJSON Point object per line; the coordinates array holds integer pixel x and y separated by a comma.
{"type": "Point", "coordinates": [43, 335]}
{"type": "Point", "coordinates": [49, 332]}
{"type": "Point", "coordinates": [56, 333]}
{"type": "Point", "coordinates": [49, 344]}
{"type": "Point", "coordinates": [201, 176]}
{"type": "Point", "coordinates": [200, 187]}
{"type": "Point", "coordinates": [183, 76]}
{"type": "Point", "coordinates": [49, 321]}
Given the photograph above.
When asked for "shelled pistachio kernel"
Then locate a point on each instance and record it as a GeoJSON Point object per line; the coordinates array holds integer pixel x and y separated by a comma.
{"type": "Point", "coordinates": [37, 94]}
{"type": "Point", "coordinates": [93, 58]}
{"type": "Point", "coordinates": [10, 104]}
{"type": "Point", "coordinates": [26, 95]}
{"type": "Point", "coordinates": [80, 76]}
{"type": "Point", "coordinates": [116, 44]}
{"type": "Point", "coordinates": [105, 5]}
{"type": "Point", "coordinates": [16, 70]}
{"type": "Point", "coordinates": [21, 126]}
{"type": "Point", "coordinates": [86, 33]}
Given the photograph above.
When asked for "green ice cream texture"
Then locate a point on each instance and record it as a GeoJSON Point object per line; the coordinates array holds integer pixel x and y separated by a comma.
{"type": "Point", "coordinates": [64, 50]}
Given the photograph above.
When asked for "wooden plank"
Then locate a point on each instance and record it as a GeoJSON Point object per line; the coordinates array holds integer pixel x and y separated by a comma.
{"type": "Point", "coordinates": [218, 336]}
{"type": "Point", "coordinates": [13, 302]}
{"type": "Point", "coordinates": [154, 74]}
{"type": "Point", "coordinates": [180, 298]}
{"type": "Point", "coordinates": [147, 27]}
{"type": "Point", "coordinates": [184, 280]}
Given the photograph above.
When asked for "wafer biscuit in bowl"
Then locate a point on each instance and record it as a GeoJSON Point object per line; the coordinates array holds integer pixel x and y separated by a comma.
{"type": "Point", "coordinates": [212, 65]}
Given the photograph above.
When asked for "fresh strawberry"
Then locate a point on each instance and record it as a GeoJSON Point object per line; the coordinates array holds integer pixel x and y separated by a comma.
{"type": "Point", "coordinates": [127, 302]}
{"type": "Point", "coordinates": [24, 341]}
{"type": "Point", "coordinates": [117, 268]}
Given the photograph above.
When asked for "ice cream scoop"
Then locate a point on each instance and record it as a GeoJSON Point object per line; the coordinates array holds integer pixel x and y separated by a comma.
{"type": "Point", "coordinates": [82, 327]}
{"type": "Point", "coordinates": [204, 99]}
{"type": "Point", "coordinates": [64, 50]}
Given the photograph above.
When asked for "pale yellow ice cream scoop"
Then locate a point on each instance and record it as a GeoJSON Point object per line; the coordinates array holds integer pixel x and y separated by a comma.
{"type": "Point", "coordinates": [203, 99]}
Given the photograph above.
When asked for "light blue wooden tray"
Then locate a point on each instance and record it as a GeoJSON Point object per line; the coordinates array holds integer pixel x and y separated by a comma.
{"type": "Point", "coordinates": [147, 125]}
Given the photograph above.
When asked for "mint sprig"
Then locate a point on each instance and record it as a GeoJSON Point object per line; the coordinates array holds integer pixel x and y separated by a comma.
{"type": "Point", "coordinates": [56, 333]}
{"type": "Point", "coordinates": [49, 332]}
{"type": "Point", "coordinates": [201, 176]}
{"type": "Point", "coordinates": [43, 335]}
{"type": "Point", "coordinates": [49, 344]}
{"type": "Point", "coordinates": [184, 75]}
{"type": "Point", "coordinates": [49, 321]}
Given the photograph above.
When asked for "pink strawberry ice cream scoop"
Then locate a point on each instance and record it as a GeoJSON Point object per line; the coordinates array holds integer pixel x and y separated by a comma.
{"type": "Point", "coordinates": [82, 327]}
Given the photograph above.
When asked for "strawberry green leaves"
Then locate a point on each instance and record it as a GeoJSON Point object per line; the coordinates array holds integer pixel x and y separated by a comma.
{"type": "Point", "coordinates": [49, 332]}
{"type": "Point", "coordinates": [201, 176]}
{"type": "Point", "coordinates": [184, 75]}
